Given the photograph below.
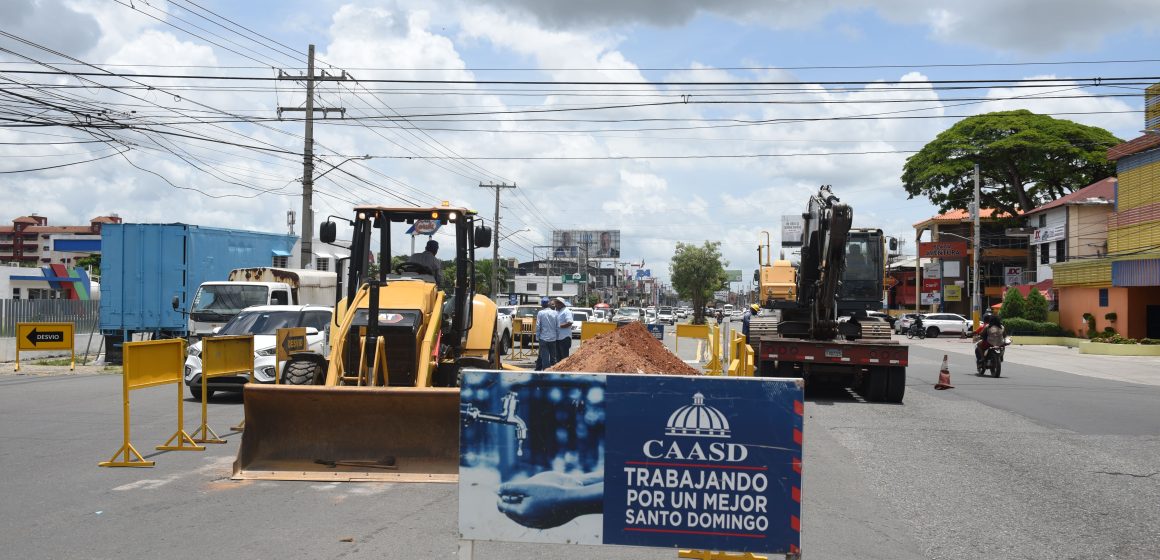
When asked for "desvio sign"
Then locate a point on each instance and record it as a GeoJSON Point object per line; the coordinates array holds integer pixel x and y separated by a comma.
{"type": "Point", "coordinates": [642, 460]}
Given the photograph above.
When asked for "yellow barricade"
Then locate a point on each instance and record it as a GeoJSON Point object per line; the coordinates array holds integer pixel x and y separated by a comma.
{"type": "Point", "coordinates": [524, 329]}
{"type": "Point", "coordinates": [685, 330]}
{"type": "Point", "coordinates": [715, 351]}
{"type": "Point", "coordinates": [740, 357]}
{"type": "Point", "coordinates": [222, 355]}
{"type": "Point", "coordinates": [590, 329]}
{"type": "Point", "coordinates": [45, 336]}
{"type": "Point", "coordinates": [149, 364]}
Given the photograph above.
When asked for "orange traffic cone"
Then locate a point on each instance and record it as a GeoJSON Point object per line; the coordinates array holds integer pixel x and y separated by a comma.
{"type": "Point", "coordinates": [944, 376]}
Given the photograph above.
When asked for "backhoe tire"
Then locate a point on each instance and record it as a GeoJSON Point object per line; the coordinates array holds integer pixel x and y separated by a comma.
{"type": "Point", "coordinates": [302, 372]}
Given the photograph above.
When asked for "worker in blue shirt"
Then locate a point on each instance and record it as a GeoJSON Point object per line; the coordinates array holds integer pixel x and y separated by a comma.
{"type": "Point", "coordinates": [564, 335]}
{"type": "Point", "coordinates": [547, 331]}
{"type": "Point", "coordinates": [745, 318]}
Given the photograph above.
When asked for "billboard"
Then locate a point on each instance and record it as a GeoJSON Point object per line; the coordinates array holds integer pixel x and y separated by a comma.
{"type": "Point", "coordinates": [791, 230]}
{"type": "Point", "coordinates": [639, 460]}
{"type": "Point", "coordinates": [733, 274]}
{"type": "Point", "coordinates": [580, 243]}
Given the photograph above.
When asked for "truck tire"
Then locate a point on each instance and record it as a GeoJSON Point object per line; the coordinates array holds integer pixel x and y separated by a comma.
{"type": "Point", "coordinates": [302, 372]}
{"type": "Point", "coordinates": [195, 392]}
{"type": "Point", "coordinates": [876, 384]}
{"type": "Point", "coordinates": [895, 384]}
{"type": "Point", "coordinates": [506, 343]}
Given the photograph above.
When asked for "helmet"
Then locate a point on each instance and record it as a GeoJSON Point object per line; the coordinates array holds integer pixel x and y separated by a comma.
{"type": "Point", "coordinates": [755, 308]}
{"type": "Point", "coordinates": [544, 300]}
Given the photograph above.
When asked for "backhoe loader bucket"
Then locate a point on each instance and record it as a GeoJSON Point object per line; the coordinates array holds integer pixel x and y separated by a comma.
{"type": "Point", "coordinates": [390, 434]}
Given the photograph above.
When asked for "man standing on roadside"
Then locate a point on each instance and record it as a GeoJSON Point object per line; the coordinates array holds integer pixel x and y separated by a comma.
{"type": "Point", "coordinates": [547, 329]}
{"type": "Point", "coordinates": [750, 313]}
{"type": "Point", "coordinates": [564, 335]}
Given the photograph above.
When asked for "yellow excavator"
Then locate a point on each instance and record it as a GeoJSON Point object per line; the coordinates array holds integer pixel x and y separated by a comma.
{"type": "Point", "coordinates": [384, 404]}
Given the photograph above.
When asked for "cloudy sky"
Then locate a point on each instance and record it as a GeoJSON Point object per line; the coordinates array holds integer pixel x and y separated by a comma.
{"type": "Point", "coordinates": [672, 121]}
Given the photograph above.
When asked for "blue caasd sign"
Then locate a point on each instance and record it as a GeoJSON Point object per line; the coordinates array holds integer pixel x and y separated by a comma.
{"type": "Point", "coordinates": [646, 460]}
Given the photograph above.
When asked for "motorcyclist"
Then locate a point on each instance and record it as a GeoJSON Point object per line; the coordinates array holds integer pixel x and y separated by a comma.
{"type": "Point", "coordinates": [990, 334]}
{"type": "Point", "coordinates": [916, 327]}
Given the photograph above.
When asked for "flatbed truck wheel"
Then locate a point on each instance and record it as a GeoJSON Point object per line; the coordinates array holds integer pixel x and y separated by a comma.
{"type": "Point", "coordinates": [876, 384]}
{"type": "Point", "coordinates": [895, 384]}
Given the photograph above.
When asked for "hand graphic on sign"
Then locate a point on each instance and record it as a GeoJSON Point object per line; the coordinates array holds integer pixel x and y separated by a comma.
{"type": "Point", "coordinates": [550, 499]}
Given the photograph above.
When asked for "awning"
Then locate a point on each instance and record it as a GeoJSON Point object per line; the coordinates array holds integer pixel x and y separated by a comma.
{"type": "Point", "coordinates": [280, 253]}
{"type": "Point", "coordinates": [1131, 273]}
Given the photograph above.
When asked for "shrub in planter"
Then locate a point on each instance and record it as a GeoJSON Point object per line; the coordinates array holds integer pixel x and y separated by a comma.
{"type": "Point", "coordinates": [1151, 341]}
{"type": "Point", "coordinates": [1091, 325]}
{"type": "Point", "coordinates": [1023, 327]}
{"type": "Point", "coordinates": [1036, 306]}
{"type": "Point", "coordinates": [1013, 305]}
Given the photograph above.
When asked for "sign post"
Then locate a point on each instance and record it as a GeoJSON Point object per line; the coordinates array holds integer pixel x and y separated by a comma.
{"type": "Point", "coordinates": [45, 336]}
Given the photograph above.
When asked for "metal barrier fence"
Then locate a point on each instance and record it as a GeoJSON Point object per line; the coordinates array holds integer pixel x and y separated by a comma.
{"type": "Point", "coordinates": [84, 315]}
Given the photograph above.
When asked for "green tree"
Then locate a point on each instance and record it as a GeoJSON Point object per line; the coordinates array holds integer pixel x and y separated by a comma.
{"type": "Point", "coordinates": [1014, 306]}
{"type": "Point", "coordinates": [483, 277]}
{"type": "Point", "coordinates": [696, 273]}
{"type": "Point", "coordinates": [1024, 160]}
{"type": "Point", "coordinates": [1036, 308]}
{"type": "Point", "coordinates": [93, 261]}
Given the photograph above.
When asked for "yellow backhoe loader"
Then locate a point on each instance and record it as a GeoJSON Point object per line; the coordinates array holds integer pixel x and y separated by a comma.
{"type": "Point", "coordinates": [384, 405]}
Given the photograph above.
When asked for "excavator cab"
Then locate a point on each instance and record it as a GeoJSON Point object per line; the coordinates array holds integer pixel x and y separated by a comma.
{"type": "Point", "coordinates": [384, 404]}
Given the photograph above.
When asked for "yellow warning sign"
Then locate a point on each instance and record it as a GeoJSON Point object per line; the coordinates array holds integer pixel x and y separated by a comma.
{"type": "Point", "coordinates": [44, 336]}
{"type": "Point", "coordinates": [289, 341]}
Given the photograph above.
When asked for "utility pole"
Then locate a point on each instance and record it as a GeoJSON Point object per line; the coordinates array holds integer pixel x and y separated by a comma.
{"type": "Point", "coordinates": [307, 253]}
{"type": "Point", "coordinates": [976, 304]}
{"type": "Point", "coordinates": [495, 236]}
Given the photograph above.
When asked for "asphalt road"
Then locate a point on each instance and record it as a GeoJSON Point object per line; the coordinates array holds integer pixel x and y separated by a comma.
{"type": "Point", "coordinates": [1036, 464]}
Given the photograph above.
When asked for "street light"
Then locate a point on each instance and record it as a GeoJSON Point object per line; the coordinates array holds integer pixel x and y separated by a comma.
{"type": "Point", "coordinates": [525, 230]}
{"type": "Point", "coordinates": [307, 254]}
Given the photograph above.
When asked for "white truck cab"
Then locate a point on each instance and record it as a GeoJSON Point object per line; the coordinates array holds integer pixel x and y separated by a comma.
{"type": "Point", "coordinates": [215, 303]}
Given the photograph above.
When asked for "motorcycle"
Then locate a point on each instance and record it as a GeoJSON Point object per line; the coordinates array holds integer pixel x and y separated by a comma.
{"type": "Point", "coordinates": [993, 359]}
{"type": "Point", "coordinates": [916, 330]}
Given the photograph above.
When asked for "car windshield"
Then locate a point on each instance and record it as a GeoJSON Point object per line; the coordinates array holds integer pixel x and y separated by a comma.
{"type": "Point", "coordinates": [506, 310]}
{"type": "Point", "coordinates": [261, 322]}
{"type": "Point", "coordinates": [526, 311]}
{"type": "Point", "coordinates": [222, 301]}
{"type": "Point", "coordinates": [579, 316]}
{"type": "Point", "coordinates": [628, 311]}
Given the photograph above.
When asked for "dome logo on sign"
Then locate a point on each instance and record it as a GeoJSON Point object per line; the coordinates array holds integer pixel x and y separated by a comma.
{"type": "Point", "coordinates": [698, 419]}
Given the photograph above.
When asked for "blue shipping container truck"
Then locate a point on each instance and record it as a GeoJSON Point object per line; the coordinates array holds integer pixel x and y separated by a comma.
{"type": "Point", "coordinates": [143, 266]}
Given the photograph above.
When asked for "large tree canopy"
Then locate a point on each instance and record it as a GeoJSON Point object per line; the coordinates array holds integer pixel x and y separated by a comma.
{"type": "Point", "coordinates": [696, 273]}
{"type": "Point", "coordinates": [1024, 160]}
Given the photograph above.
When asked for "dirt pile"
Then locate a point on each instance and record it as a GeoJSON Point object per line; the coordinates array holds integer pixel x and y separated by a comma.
{"type": "Point", "coordinates": [628, 349]}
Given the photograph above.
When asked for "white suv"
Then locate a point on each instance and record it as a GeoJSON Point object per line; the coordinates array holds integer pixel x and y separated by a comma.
{"type": "Point", "coordinates": [938, 323]}
{"type": "Point", "coordinates": [262, 321]}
